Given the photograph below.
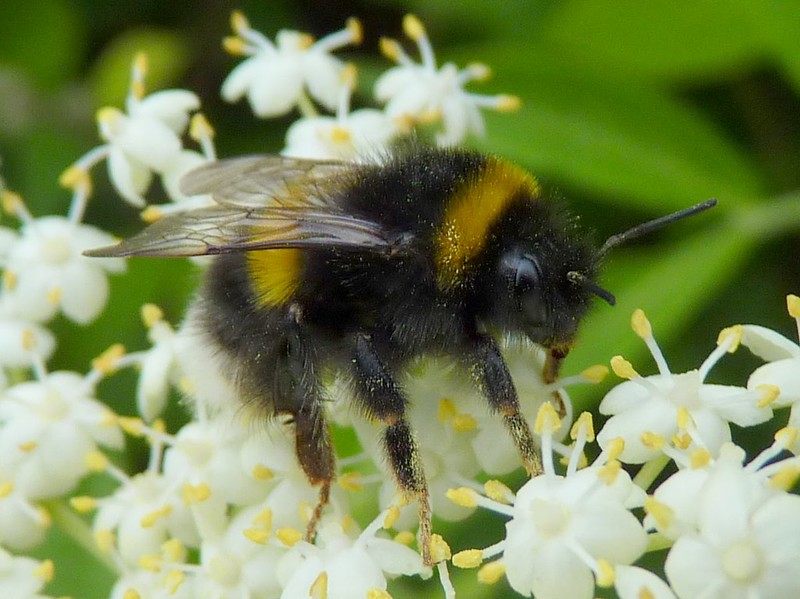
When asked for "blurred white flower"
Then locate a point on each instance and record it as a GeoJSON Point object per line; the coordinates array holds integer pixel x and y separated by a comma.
{"type": "Point", "coordinates": [782, 370]}
{"type": "Point", "coordinates": [424, 93]}
{"type": "Point", "coordinates": [647, 412]}
{"type": "Point", "coordinates": [22, 342]}
{"type": "Point", "coordinates": [360, 135]}
{"type": "Point", "coordinates": [746, 544]}
{"type": "Point", "coordinates": [49, 427]}
{"type": "Point", "coordinates": [275, 75]}
{"type": "Point", "coordinates": [23, 577]}
{"type": "Point", "coordinates": [340, 567]}
{"type": "Point", "coordinates": [49, 272]}
{"type": "Point", "coordinates": [633, 582]}
{"type": "Point", "coordinates": [23, 524]}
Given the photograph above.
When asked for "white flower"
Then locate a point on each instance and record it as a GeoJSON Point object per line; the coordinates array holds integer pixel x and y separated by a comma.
{"type": "Point", "coordinates": [275, 76]}
{"type": "Point", "coordinates": [745, 546]}
{"type": "Point", "coordinates": [566, 531]}
{"type": "Point", "coordinates": [648, 412]}
{"type": "Point", "coordinates": [50, 273]}
{"type": "Point", "coordinates": [633, 582]}
{"type": "Point", "coordinates": [340, 567]}
{"type": "Point", "coordinates": [48, 429]}
{"type": "Point", "coordinates": [22, 523]}
{"type": "Point", "coordinates": [359, 135]}
{"type": "Point", "coordinates": [425, 93]}
{"type": "Point", "coordinates": [21, 342]}
{"type": "Point", "coordinates": [782, 371]}
{"type": "Point", "coordinates": [23, 577]}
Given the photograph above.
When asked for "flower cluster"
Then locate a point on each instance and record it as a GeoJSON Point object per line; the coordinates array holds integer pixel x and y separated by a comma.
{"type": "Point", "coordinates": [221, 507]}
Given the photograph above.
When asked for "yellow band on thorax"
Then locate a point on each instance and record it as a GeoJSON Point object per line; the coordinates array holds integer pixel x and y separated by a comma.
{"type": "Point", "coordinates": [471, 212]}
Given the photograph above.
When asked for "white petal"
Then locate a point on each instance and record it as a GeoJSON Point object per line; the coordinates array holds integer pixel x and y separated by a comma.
{"type": "Point", "coordinates": [734, 404]}
{"type": "Point", "coordinates": [394, 81]}
{"type": "Point", "coordinates": [322, 74]}
{"type": "Point", "coordinates": [692, 566]}
{"type": "Point", "coordinates": [12, 351]}
{"type": "Point", "coordinates": [240, 78]}
{"type": "Point", "coordinates": [605, 529]}
{"type": "Point", "coordinates": [394, 558]}
{"type": "Point", "coordinates": [783, 373]}
{"type": "Point", "coordinates": [85, 292]}
{"type": "Point", "coordinates": [652, 416]}
{"type": "Point", "coordinates": [276, 90]}
{"type": "Point", "coordinates": [767, 344]}
{"type": "Point", "coordinates": [633, 582]}
{"type": "Point", "coordinates": [129, 177]}
{"type": "Point", "coordinates": [150, 142]}
{"type": "Point", "coordinates": [170, 106]}
{"type": "Point", "coordinates": [171, 176]}
{"type": "Point", "coordinates": [152, 389]}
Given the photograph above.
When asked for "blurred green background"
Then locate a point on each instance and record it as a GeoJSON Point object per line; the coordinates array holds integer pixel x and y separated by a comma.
{"type": "Point", "coordinates": [630, 110]}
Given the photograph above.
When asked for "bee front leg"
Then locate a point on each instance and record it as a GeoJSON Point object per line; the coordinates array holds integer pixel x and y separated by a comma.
{"type": "Point", "coordinates": [552, 366]}
{"type": "Point", "coordinates": [492, 375]}
{"type": "Point", "coordinates": [381, 399]}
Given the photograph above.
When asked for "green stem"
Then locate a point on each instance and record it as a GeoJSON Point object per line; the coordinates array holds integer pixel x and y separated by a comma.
{"type": "Point", "coordinates": [306, 107]}
{"type": "Point", "coordinates": [650, 471]}
{"type": "Point", "coordinates": [656, 542]}
{"type": "Point", "coordinates": [79, 531]}
{"type": "Point", "coordinates": [770, 218]}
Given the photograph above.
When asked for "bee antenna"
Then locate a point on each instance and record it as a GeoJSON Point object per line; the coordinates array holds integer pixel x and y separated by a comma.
{"type": "Point", "coordinates": [652, 225]}
{"type": "Point", "coordinates": [581, 279]}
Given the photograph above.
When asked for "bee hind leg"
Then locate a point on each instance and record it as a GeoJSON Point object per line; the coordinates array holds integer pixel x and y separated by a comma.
{"type": "Point", "coordinates": [381, 399]}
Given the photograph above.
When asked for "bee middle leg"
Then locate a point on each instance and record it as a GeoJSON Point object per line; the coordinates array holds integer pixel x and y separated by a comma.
{"type": "Point", "coordinates": [495, 381]}
{"type": "Point", "coordinates": [382, 399]}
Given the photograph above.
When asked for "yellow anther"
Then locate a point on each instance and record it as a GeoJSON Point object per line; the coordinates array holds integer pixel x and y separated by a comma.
{"type": "Point", "coordinates": [45, 519]}
{"type": "Point", "coordinates": [75, 177]}
{"type": "Point", "coordinates": [151, 563]}
{"type": "Point", "coordinates": [392, 514]}
{"type": "Point", "coordinates": [479, 71]}
{"type": "Point", "coordinates": [645, 593]}
{"type": "Point", "coordinates": [151, 214]}
{"type": "Point", "coordinates": [595, 374]}
{"type": "Point", "coordinates": [12, 202]}
{"type": "Point", "coordinates": [28, 340]}
{"type": "Point", "coordinates": [440, 550]}
{"type": "Point", "coordinates": [159, 426]}
{"type": "Point", "coordinates": [10, 279]}
{"type": "Point", "coordinates": [239, 22]}
{"type": "Point", "coordinates": [6, 488]}
{"type": "Point", "coordinates": [608, 472]}
{"type": "Point", "coordinates": [732, 335]}
{"type": "Point", "coordinates": [768, 394]}
{"type": "Point", "coordinates": [108, 115]}
{"type": "Point", "coordinates": [463, 496]}
{"type": "Point", "coordinates": [378, 594]}
{"type": "Point", "coordinates": [134, 426]}
{"type": "Point", "coordinates": [109, 418]}
{"type": "Point", "coordinates": [140, 65]}
{"type": "Point", "coordinates": [507, 103]}
{"type": "Point", "coordinates": [681, 440]}
{"type": "Point", "coordinates": [356, 30]}
{"type": "Point", "coordinates": [131, 594]}
{"type": "Point", "coordinates": [27, 446]}
{"type": "Point", "coordinates": [340, 135]}
{"type": "Point", "coordinates": [351, 481]}
{"type": "Point", "coordinates": [235, 46]}
{"type": "Point", "coordinates": [413, 27]}
{"type": "Point", "coordinates": [623, 369]}
{"type": "Point", "coordinates": [469, 558]}
{"type": "Point", "coordinates": [54, 296]}
{"type": "Point", "coordinates": [793, 305]}
{"type": "Point", "coordinates": [786, 477]}
{"type": "Point", "coordinates": [660, 512]}
{"type": "Point", "coordinates": [261, 472]}
{"type": "Point", "coordinates": [787, 436]}
{"type": "Point", "coordinates": [652, 440]}
{"type": "Point", "coordinates": [288, 536]}
{"type": "Point", "coordinates": [605, 574]}
{"type": "Point", "coordinates": [257, 535]}
{"type": "Point", "coordinates": [390, 48]}
{"type": "Point", "coordinates": [583, 423]}
{"type": "Point", "coordinates": [547, 420]}
{"type": "Point", "coordinates": [193, 494]}
{"type": "Point", "coordinates": [83, 504]}
{"type": "Point", "coordinates": [685, 420]}
{"type": "Point", "coordinates": [149, 520]}
{"type": "Point", "coordinates": [640, 324]}
{"type": "Point", "coordinates": [447, 409]}
{"type": "Point", "coordinates": [200, 128]}
{"type": "Point", "coordinates": [96, 461]}
{"type": "Point", "coordinates": [151, 314]}
{"type": "Point", "coordinates": [492, 572]}
{"type": "Point", "coordinates": [174, 580]}
{"type": "Point", "coordinates": [463, 423]}
{"type": "Point", "coordinates": [187, 387]}
{"type": "Point", "coordinates": [699, 458]}
{"type": "Point", "coordinates": [45, 571]}
{"type": "Point", "coordinates": [263, 519]}
{"type": "Point", "coordinates": [404, 537]}
{"type": "Point", "coordinates": [106, 362]}
{"type": "Point", "coordinates": [105, 540]}
{"type": "Point", "coordinates": [349, 76]}
{"type": "Point", "coordinates": [497, 491]}
{"type": "Point", "coordinates": [319, 588]}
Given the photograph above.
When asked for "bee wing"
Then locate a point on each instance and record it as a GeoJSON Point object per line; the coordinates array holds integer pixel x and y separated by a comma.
{"type": "Point", "coordinates": [224, 229]}
{"type": "Point", "coordinates": [265, 180]}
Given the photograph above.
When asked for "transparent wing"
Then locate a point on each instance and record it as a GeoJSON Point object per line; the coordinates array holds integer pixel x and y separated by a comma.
{"type": "Point", "coordinates": [267, 181]}
{"type": "Point", "coordinates": [224, 229]}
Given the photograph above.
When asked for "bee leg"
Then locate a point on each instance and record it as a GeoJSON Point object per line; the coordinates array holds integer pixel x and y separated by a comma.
{"type": "Point", "coordinates": [552, 365]}
{"type": "Point", "coordinates": [382, 399]}
{"type": "Point", "coordinates": [495, 381]}
{"type": "Point", "coordinates": [298, 393]}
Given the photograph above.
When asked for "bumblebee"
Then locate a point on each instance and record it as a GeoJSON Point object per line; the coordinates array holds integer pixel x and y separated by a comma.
{"type": "Point", "coordinates": [361, 268]}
